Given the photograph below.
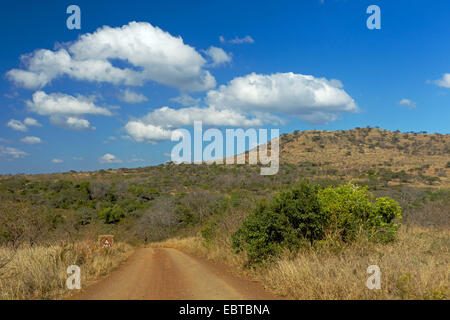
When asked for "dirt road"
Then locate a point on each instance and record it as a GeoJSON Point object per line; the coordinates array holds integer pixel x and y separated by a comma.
{"type": "Point", "coordinates": [171, 274]}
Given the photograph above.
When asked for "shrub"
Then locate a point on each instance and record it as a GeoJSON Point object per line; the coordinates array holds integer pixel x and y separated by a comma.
{"type": "Point", "coordinates": [111, 215]}
{"type": "Point", "coordinates": [289, 219]}
{"type": "Point", "coordinates": [352, 209]}
{"type": "Point", "coordinates": [306, 213]}
{"type": "Point", "coordinates": [347, 207]}
{"type": "Point", "coordinates": [85, 216]}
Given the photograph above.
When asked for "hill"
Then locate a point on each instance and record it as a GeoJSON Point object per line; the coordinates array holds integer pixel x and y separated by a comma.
{"type": "Point", "coordinates": [372, 155]}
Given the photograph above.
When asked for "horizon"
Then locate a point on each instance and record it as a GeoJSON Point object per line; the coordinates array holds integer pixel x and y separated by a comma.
{"type": "Point", "coordinates": [211, 161]}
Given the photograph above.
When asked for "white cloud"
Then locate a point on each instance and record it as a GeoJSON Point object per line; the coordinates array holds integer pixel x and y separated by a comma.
{"type": "Point", "coordinates": [251, 101]}
{"type": "Point", "coordinates": [444, 82]}
{"type": "Point", "coordinates": [159, 124]}
{"type": "Point", "coordinates": [142, 132]}
{"type": "Point", "coordinates": [31, 140]}
{"type": "Point", "coordinates": [152, 53]}
{"type": "Point", "coordinates": [28, 79]}
{"type": "Point", "coordinates": [65, 110]}
{"type": "Point", "coordinates": [130, 96]}
{"type": "Point", "coordinates": [246, 39]}
{"type": "Point", "coordinates": [23, 126]}
{"type": "Point", "coordinates": [218, 56]}
{"type": "Point", "coordinates": [109, 158]}
{"type": "Point", "coordinates": [12, 152]}
{"type": "Point", "coordinates": [237, 40]}
{"type": "Point", "coordinates": [63, 104]}
{"type": "Point", "coordinates": [78, 124]}
{"type": "Point", "coordinates": [72, 123]}
{"type": "Point", "coordinates": [316, 100]}
{"type": "Point", "coordinates": [17, 125]}
{"type": "Point", "coordinates": [408, 103]}
{"type": "Point", "coordinates": [171, 118]}
{"type": "Point", "coordinates": [31, 122]}
{"type": "Point", "coordinates": [57, 161]}
{"type": "Point", "coordinates": [186, 100]}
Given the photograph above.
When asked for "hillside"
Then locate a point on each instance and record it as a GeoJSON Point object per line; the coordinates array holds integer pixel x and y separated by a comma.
{"type": "Point", "coordinates": [372, 155]}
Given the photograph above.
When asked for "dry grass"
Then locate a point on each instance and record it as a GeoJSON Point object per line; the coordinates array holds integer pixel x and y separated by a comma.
{"type": "Point", "coordinates": [364, 149]}
{"type": "Point", "coordinates": [414, 267]}
{"type": "Point", "coordinates": [39, 272]}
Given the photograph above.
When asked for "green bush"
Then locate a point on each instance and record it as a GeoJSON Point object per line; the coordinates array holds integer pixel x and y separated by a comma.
{"type": "Point", "coordinates": [352, 209]}
{"type": "Point", "coordinates": [306, 213]}
{"type": "Point", "coordinates": [292, 217]}
{"type": "Point", "coordinates": [185, 215]}
{"type": "Point", "coordinates": [111, 215]}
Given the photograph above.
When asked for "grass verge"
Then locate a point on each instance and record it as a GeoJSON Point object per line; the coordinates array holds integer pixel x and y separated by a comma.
{"type": "Point", "coordinates": [39, 272]}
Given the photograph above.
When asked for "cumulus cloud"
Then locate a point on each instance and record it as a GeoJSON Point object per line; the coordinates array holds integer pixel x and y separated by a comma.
{"type": "Point", "coordinates": [186, 100]}
{"type": "Point", "coordinates": [31, 122]}
{"type": "Point", "coordinates": [169, 117]}
{"type": "Point", "coordinates": [408, 103]}
{"type": "Point", "coordinates": [237, 40]}
{"type": "Point", "coordinates": [159, 124]}
{"type": "Point", "coordinates": [251, 101]}
{"type": "Point", "coordinates": [444, 82]}
{"type": "Point", "coordinates": [109, 158]}
{"type": "Point", "coordinates": [14, 153]}
{"type": "Point", "coordinates": [72, 123]}
{"type": "Point", "coordinates": [153, 55]}
{"type": "Point", "coordinates": [316, 100]}
{"type": "Point", "coordinates": [23, 126]}
{"type": "Point", "coordinates": [145, 132]}
{"type": "Point", "coordinates": [130, 96]}
{"type": "Point", "coordinates": [218, 56]}
{"type": "Point", "coordinates": [31, 140]}
{"type": "Point", "coordinates": [63, 104]}
{"type": "Point", "coordinates": [57, 161]}
{"type": "Point", "coordinates": [17, 125]}
{"type": "Point", "coordinates": [64, 110]}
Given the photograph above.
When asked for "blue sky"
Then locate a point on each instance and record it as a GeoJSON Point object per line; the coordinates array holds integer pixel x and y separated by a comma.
{"type": "Point", "coordinates": [97, 101]}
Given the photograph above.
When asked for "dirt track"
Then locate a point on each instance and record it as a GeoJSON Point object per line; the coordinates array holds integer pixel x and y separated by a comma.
{"type": "Point", "coordinates": [171, 274]}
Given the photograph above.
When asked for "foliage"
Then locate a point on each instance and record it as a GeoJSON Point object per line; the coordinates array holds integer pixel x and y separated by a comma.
{"type": "Point", "coordinates": [111, 214]}
{"type": "Point", "coordinates": [352, 209]}
{"type": "Point", "coordinates": [292, 217]}
{"type": "Point", "coordinates": [306, 213]}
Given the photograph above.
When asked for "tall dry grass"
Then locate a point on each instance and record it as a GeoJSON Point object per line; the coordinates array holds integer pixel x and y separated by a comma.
{"type": "Point", "coordinates": [416, 266]}
{"type": "Point", "coordinates": [39, 272]}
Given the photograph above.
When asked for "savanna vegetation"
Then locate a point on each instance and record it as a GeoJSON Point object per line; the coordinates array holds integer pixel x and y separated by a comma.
{"type": "Point", "coordinates": [309, 231]}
